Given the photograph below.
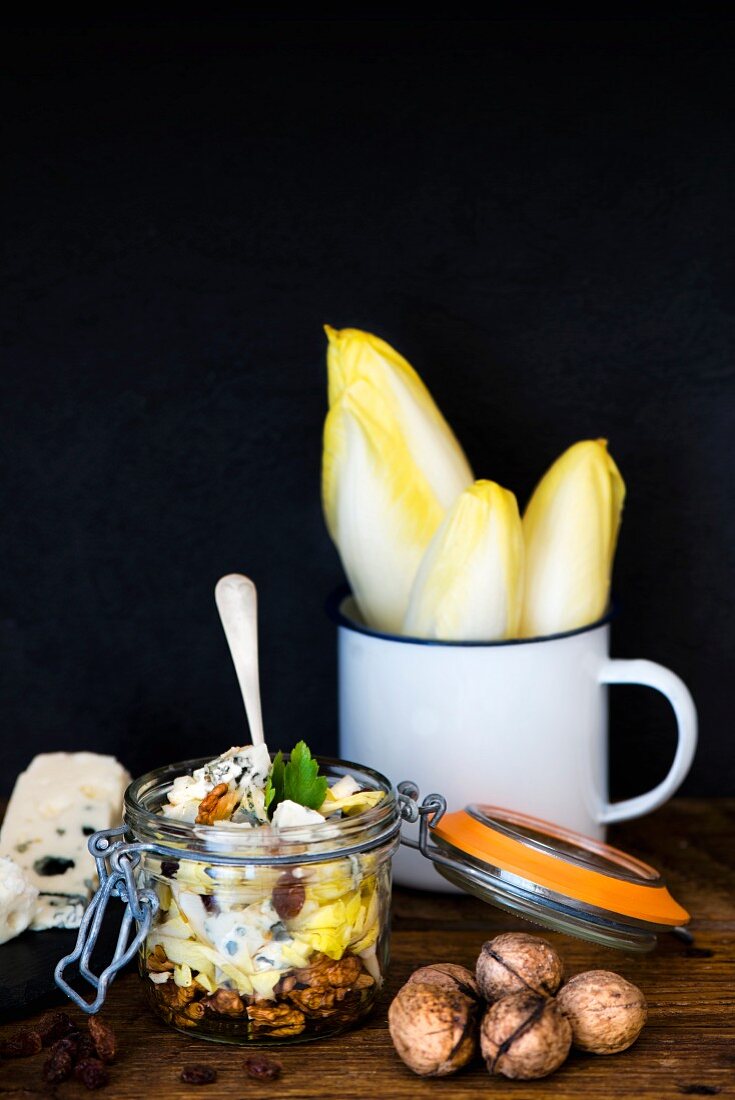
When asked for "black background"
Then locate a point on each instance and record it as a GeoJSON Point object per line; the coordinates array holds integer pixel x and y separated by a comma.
{"type": "Point", "coordinates": [537, 214]}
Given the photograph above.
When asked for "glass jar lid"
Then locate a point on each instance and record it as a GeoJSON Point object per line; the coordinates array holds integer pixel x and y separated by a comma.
{"type": "Point", "coordinates": [550, 875]}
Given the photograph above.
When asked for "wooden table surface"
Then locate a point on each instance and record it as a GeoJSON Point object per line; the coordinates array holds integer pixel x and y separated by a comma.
{"type": "Point", "coordinates": [686, 1049]}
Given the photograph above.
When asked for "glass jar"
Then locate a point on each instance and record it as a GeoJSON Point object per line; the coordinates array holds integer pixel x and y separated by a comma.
{"type": "Point", "coordinates": [251, 934]}
{"type": "Point", "coordinates": [255, 935]}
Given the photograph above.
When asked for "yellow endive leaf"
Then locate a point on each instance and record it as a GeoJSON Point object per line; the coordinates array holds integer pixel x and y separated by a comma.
{"type": "Point", "coordinates": [379, 507]}
{"type": "Point", "coordinates": [176, 927]}
{"type": "Point", "coordinates": [265, 982]}
{"type": "Point", "coordinates": [366, 930]}
{"type": "Point", "coordinates": [570, 529]}
{"type": "Point", "coordinates": [469, 585]}
{"type": "Point", "coordinates": [182, 975]}
{"type": "Point", "coordinates": [243, 982]}
{"type": "Point", "coordinates": [356, 356]}
{"type": "Point", "coordinates": [352, 804]}
{"type": "Point", "coordinates": [329, 929]}
{"type": "Point", "coordinates": [196, 955]}
{"type": "Point", "coordinates": [367, 939]}
{"type": "Point", "coordinates": [295, 953]}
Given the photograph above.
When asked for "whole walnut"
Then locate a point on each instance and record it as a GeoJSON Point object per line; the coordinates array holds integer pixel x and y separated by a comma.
{"type": "Point", "coordinates": [448, 976]}
{"type": "Point", "coordinates": [433, 1029]}
{"type": "Point", "coordinates": [524, 1036]}
{"type": "Point", "coordinates": [514, 962]}
{"type": "Point", "coordinates": [607, 1013]}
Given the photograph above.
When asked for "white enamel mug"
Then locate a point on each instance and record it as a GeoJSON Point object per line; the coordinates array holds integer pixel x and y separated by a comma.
{"type": "Point", "coordinates": [518, 724]}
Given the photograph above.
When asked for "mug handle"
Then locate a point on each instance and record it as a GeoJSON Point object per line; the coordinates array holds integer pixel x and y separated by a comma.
{"type": "Point", "coordinates": [676, 691]}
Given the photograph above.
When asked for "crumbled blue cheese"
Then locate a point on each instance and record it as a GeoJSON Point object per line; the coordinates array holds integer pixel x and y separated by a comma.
{"type": "Point", "coordinates": [288, 813]}
{"type": "Point", "coordinates": [246, 766]}
{"type": "Point", "coordinates": [251, 935]}
{"type": "Point", "coordinates": [184, 797]}
{"type": "Point", "coordinates": [56, 805]}
{"type": "Point", "coordinates": [223, 769]}
{"type": "Point", "coordinates": [17, 900]}
{"type": "Point", "coordinates": [251, 810]}
{"type": "Point", "coordinates": [243, 768]}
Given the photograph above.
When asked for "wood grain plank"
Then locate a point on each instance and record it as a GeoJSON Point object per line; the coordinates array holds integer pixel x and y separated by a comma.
{"type": "Point", "coordinates": [686, 1049]}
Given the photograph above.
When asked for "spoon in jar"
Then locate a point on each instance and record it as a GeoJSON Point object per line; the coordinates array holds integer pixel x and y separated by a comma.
{"type": "Point", "coordinates": [237, 602]}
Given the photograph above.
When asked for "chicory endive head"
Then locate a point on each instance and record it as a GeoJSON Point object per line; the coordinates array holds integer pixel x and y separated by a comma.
{"type": "Point", "coordinates": [469, 585]}
{"type": "Point", "coordinates": [391, 466]}
{"type": "Point", "coordinates": [379, 508]}
{"type": "Point", "coordinates": [570, 529]}
{"type": "Point", "coordinates": [356, 356]}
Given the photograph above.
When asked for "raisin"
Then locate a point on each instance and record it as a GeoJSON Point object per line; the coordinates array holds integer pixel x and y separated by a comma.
{"type": "Point", "coordinates": [262, 1068]}
{"type": "Point", "coordinates": [53, 1026]}
{"type": "Point", "coordinates": [21, 1044]}
{"type": "Point", "coordinates": [198, 1075]}
{"type": "Point", "coordinates": [69, 1045]}
{"type": "Point", "coordinates": [58, 1067]}
{"type": "Point", "coordinates": [85, 1046]}
{"type": "Point", "coordinates": [103, 1038]}
{"type": "Point", "coordinates": [92, 1073]}
{"type": "Point", "coordinates": [288, 896]}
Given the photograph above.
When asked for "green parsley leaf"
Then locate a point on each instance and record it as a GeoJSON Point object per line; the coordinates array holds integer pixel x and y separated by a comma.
{"type": "Point", "coordinates": [274, 785]}
{"type": "Point", "coordinates": [302, 782]}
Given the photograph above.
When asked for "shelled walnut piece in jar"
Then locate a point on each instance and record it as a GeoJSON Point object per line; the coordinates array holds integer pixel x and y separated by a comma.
{"type": "Point", "coordinates": [326, 987]}
{"type": "Point", "coordinates": [326, 991]}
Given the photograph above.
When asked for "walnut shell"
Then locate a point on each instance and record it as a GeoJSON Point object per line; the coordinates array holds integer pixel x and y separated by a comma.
{"type": "Point", "coordinates": [433, 1029]}
{"type": "Point", "coordinates": [448, 976]}
{"type": "Point", "coordinates": [514, 962]}
{"type": "Point", "coordinates": [607, 1013]}
{"type": "Point", "coordinates": [524, 1036]}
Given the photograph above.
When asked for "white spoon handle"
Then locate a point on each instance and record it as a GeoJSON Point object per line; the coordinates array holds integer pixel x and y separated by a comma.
{"type": "Point", "coordinates": [237, 603]}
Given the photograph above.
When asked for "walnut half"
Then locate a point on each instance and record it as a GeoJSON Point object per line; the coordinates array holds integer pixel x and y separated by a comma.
{"type": "Point", "coordinates": [325, 972]}
{"type": "Point", "coordinates": [225, 1002]}
{"type": "Point", "coordinates": [276, 1020]}
{"type": "Point", "coordinates": [176, 1004]}
{"type": "Point", "coordinates": [157, 962]}
{"type": "Point", "coordinates": [328, 987]}
{"type": "Point", "coordinates": [217, 805]}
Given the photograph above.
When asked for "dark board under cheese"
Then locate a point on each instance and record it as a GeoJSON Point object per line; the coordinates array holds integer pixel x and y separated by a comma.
{"type": "Point", "coordinates": [27, 964]}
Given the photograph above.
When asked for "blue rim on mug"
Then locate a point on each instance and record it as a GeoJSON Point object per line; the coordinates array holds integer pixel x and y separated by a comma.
{"type": "Point", "coordinates": [333, 607]}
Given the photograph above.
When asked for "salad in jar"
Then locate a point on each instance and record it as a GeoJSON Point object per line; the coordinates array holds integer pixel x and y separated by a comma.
{"type": "Point", "coordinates": [273, 923]}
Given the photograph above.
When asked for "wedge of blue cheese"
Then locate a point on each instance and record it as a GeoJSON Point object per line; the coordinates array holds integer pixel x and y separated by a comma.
{"type": "Point", "coordinates": [56, 805]}
{"type": "Point", "coordinates": [17, 900]}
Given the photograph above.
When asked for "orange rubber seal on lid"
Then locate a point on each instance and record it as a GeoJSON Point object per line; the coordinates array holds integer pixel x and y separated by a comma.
{"type": "Point", "coordinates": [644, 901]}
